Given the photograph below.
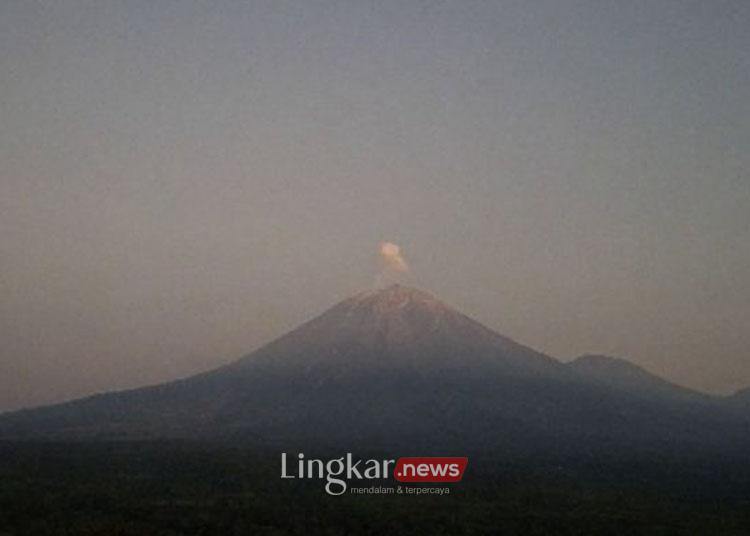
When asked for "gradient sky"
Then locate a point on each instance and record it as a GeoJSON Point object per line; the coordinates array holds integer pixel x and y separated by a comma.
{"type": "Point", "coordinates": [182, 181]}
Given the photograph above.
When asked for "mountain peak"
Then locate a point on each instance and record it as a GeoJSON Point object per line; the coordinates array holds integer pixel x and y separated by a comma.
{"type": "Point", "coordinates": [396, 328]}
{"type": "Point", "coordinates": [395, 297]}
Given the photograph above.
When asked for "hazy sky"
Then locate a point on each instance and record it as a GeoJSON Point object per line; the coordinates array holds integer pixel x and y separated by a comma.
{"type": "Point", "coordinates": [182, 181]}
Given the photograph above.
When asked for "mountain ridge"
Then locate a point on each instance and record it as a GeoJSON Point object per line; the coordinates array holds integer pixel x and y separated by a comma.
{"type": "Point", "coordinates": [396, 367]}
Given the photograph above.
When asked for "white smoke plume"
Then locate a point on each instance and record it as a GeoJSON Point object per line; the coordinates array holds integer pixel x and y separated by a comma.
{"type": "Point", "coordinates": [391, 255]}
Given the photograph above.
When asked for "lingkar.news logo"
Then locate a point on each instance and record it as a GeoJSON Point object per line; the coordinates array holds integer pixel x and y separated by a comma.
{"type": "Point", "coordinates": [338, 472]}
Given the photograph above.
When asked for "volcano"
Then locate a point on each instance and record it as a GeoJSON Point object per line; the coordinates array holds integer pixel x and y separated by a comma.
{"type": "Point", "coordinates": [399, 368]}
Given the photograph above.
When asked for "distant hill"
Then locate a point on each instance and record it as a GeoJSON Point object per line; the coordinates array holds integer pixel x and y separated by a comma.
{"type": "Point", "coordinates": [399, 368]}
{"type": "Point", "coordinates": [618, 373]}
